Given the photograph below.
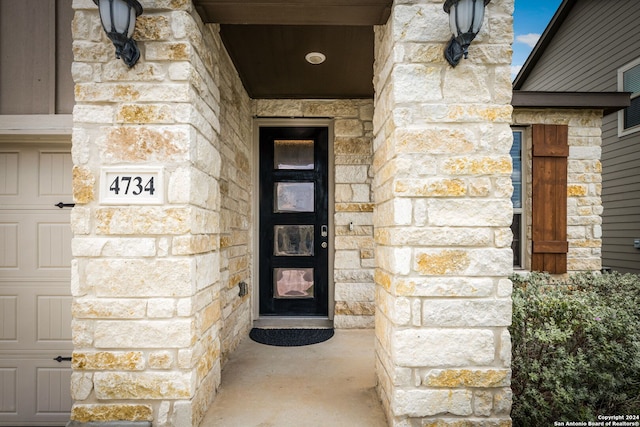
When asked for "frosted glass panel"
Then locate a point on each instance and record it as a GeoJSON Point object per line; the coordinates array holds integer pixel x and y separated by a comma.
{"type": "Point", "coordinates": [294, 196]}
{"type": "Point", "coordinates": [293, 283]}
{"type": "Point", "coordinates": [293, 154]}
{"type": "Point", "coordinates": [293, 240]}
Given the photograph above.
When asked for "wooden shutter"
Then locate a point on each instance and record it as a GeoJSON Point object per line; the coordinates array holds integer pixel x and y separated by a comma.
{"type": "Point", "coordinates": [549, 198]}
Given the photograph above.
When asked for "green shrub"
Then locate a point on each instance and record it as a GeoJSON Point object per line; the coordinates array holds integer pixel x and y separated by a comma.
{"type": "Point", "coordinates": [576, 347]}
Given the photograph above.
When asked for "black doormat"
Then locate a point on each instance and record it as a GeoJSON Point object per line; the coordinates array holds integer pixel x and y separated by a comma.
{"type": "Point", "coordinates": [290, 337]}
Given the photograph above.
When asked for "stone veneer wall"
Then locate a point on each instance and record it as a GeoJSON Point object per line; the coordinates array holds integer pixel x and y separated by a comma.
{"type": "Point", "coordinates": [442, 219]}
{"type": "Point", "coordinates": [155, 300]}
{"type": "Point", "coordinates": [352, 157]}
{"type": "Point", "coordinates": [584, 183]}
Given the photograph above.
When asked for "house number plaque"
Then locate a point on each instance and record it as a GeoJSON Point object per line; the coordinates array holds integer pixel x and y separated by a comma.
{"type": "Point", "coordinates": [132, 186]}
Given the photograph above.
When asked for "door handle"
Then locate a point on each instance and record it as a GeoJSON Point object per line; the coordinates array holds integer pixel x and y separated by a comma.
{"type": "Point", "coordinates": [324, 231]}
{"type": "Point", "coordinates": [64, 205]}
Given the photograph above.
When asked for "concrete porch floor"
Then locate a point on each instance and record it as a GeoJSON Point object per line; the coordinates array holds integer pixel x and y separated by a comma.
{"type": "Point", "coordinates": [331, 384]}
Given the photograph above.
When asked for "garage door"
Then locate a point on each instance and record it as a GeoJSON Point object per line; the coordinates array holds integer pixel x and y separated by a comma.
{"type": "Point", "coordinates": [35, 301]}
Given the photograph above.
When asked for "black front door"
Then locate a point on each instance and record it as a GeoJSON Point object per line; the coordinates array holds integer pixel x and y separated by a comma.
{"type": "Point", "coordinates": [294, 221]}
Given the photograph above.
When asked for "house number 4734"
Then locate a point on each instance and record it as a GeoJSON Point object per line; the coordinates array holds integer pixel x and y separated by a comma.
{"type": "Point", "coordinates": [132, 186]}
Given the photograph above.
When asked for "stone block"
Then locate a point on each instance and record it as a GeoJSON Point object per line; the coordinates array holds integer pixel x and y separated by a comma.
{"type": "Point", "coordinates": [140, 278]}
{"type": "Point", "coordinates": [108, 308]}
{"type": "Point", "coordinates": [465, 378]}
{"type": "Point", "coordinates": [111, 412]}
{"type": "Point", "coordinates": [463, 262]}
{"type": "Point", "coordinates": [462, 313]}
{"type": "Point", "coordinates": [108, 361]}
{"type": "Point", "coordinates": [443, 347]}
{"type": "Point", "coordinates": [426, 403]}
{"type": "Point", "coordinates": [143, 385]}
{"type": "Point", "coordinates": [173, 333]}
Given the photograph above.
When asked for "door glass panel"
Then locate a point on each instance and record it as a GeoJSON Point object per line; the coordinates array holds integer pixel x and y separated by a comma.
{"type": "Point", "coordinates": [293, 240]}
{"type": "Point", "coordinates": [293, 283]}
{"type": "Point", "coordinates": [294, 197]}
{"type": "Point", "coordinates": [293, 154]}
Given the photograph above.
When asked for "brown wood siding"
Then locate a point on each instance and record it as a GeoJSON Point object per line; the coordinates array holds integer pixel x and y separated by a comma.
{"type": "Point", "coordinates": [549, 198]}
{"type": "Point", "coordinates": [595, 40]}
{"type": "Point", "coordinates": [35, 57]}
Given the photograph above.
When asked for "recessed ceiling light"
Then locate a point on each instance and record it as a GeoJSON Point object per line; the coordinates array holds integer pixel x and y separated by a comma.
{"type": "Point", "coordinates": [315, 58]}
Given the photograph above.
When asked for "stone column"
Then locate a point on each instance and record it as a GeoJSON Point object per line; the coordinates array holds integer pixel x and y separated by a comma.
{"type": "Point", "coordinates": [442, 192]}
{"type": "Point", "coordinates": [146, 278]}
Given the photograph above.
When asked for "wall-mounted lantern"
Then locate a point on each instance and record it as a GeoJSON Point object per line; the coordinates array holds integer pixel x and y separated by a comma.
{"type": "Point", "coordinates": [119, 20]}
{"type": "Point", "coordinates": [465, 21]}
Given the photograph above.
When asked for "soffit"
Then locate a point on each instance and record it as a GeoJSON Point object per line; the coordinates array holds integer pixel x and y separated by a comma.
{"type": "Point", "coordinates": [268, 40]}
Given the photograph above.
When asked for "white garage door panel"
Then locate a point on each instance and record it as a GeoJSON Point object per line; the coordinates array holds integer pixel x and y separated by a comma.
{"type": "Point", "coordinates": [43, 389]}
{"type": "Point", "coordinates": [36, 244]}
{"type": "Point", "coordinates": [35, 301]}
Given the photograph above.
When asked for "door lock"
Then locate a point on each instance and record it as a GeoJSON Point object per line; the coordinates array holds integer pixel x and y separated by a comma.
{"type": "Point", "coordinates": [324, 245]}
{"type": "Point", "coordinates": [324, 231]}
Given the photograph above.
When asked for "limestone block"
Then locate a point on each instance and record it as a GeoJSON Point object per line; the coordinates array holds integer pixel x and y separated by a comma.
{"type": "Point", "coordinates": [152, 27]}
{"type": "Point", "coordinates": [397, 310]}
{"type": "Point", "coordinates": [459, 378]}
{"type": "Point", "coordinates": [394, 260]}
{"type": "Point", "coordinates": [144, 72]}
{"type": "Point", "coordinates": [278, 108]}
{"type": "Point", "coordinates": [435, 140]}
{"type": "Point", "coordinates": [82, 333]}
{"type": "Point", "coordinates": [457, 313]}
{"type": "Point", "coordinates": [113, 247]}
{"type": "Point", "coordinates": [81, 385]}
{"type": "Point", "coordinates": [424, 22]}
{"type": "Point", "coordinates": [430, 187]}
{"type": "Point", "coordinates": [424, 403]}
{"type": "Point", "coordinates": [417, 83]}
{"type": "Point", "coordinates": [329, 108]}
{"type": "Point", "coordinates": [112, 412]}
{"type": "Point", "coordinates": [87, 51]}
{"type": "Point", "coordinates": [477, 165]}
{"type": "Point", "coordinates": [464, 262]}
{"type": "Point", "coordinates": [190, 244]}
{"type": "Point", "coordinates": [346, 259]}
{"type": "Point", "coordinates": [443, 287]}
{"type": "Point", "coordinates": [168, 51]}
{"type": "Point", "coordinates": [161, 307]}
{"type": "Point", "coordinates": [471, 213]}
{"type": "Point", "coordinates": [83, 185]}
{"type": "Point", "coordinates": [108, 308]}
{"type": "Point", "coordinates": [479, 113]}
{"type": "Point", "coordinates": [145, 143]}
{"type": "Point", "coordinates": [348, 128]}
{"type": "Point", "coordinates": [352, 174]}
{"type": "Point", "coordinates": [482, 403]}
{"type": "Point", "coordinates": [173, 333]}
{"type": "Point", "coordinates": [140, 278]}
{"type": "Point", "coordinates": [468, 84]}
{"type": "Point", "coordinates": [162, 359]}
{"type": "Point", "coordinates": [353, 322]}
{"type": "Point", "coordinates": [443, 347]}
{"type": "Point", "coordinates": [143, 385]}
{"type": "Point", "coordinates": [108, 361]}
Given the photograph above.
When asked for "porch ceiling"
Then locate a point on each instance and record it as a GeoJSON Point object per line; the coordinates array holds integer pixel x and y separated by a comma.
{"type": "Point", "coordinates": [268, 40]}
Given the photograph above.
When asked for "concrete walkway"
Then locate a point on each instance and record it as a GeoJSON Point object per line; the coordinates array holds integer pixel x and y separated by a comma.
{"type": "Point", "coordinates": [331, 384]}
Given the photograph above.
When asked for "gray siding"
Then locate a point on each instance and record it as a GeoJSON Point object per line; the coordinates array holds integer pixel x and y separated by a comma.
{"type": "Point", "coordinates": [596, 39]}
{"type": "Point", "coordinates": [36, 57]}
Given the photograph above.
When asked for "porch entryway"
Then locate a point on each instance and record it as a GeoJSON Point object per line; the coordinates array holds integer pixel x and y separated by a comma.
{"type": "Point", "coordinates": [326, 384]}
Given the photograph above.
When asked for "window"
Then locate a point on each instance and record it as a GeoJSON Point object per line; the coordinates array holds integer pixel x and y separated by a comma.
{"type": "Point", "coordinates": [629, 81]}
{"type": "Point", "coordinates": [517, 198]}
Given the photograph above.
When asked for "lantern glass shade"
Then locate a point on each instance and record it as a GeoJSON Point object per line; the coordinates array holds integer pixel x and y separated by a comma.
{"type": "Point", "coordinates": [117, 16]}
{"type": "Point", "coordinates": [466, 16]}
{"type": "Point", "coordinates": [118, 19]}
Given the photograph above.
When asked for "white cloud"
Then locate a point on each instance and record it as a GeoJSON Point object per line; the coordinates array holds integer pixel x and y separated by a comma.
{"type": "Point", "coordinates": [515, 69]}
{"type": "Point", "coordinates": [529, 39]}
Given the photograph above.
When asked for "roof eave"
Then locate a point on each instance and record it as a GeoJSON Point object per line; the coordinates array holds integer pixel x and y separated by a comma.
{"type": "Point", "coordinates": [609, 102]}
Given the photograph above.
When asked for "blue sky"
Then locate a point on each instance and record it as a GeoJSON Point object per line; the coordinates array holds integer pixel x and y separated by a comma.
{"type": "Point", "coordinates": [530, 18]}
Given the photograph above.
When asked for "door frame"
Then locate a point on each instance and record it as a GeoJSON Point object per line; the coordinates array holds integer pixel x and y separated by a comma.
{"type": "Point", "coordinates": [255, 215]}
